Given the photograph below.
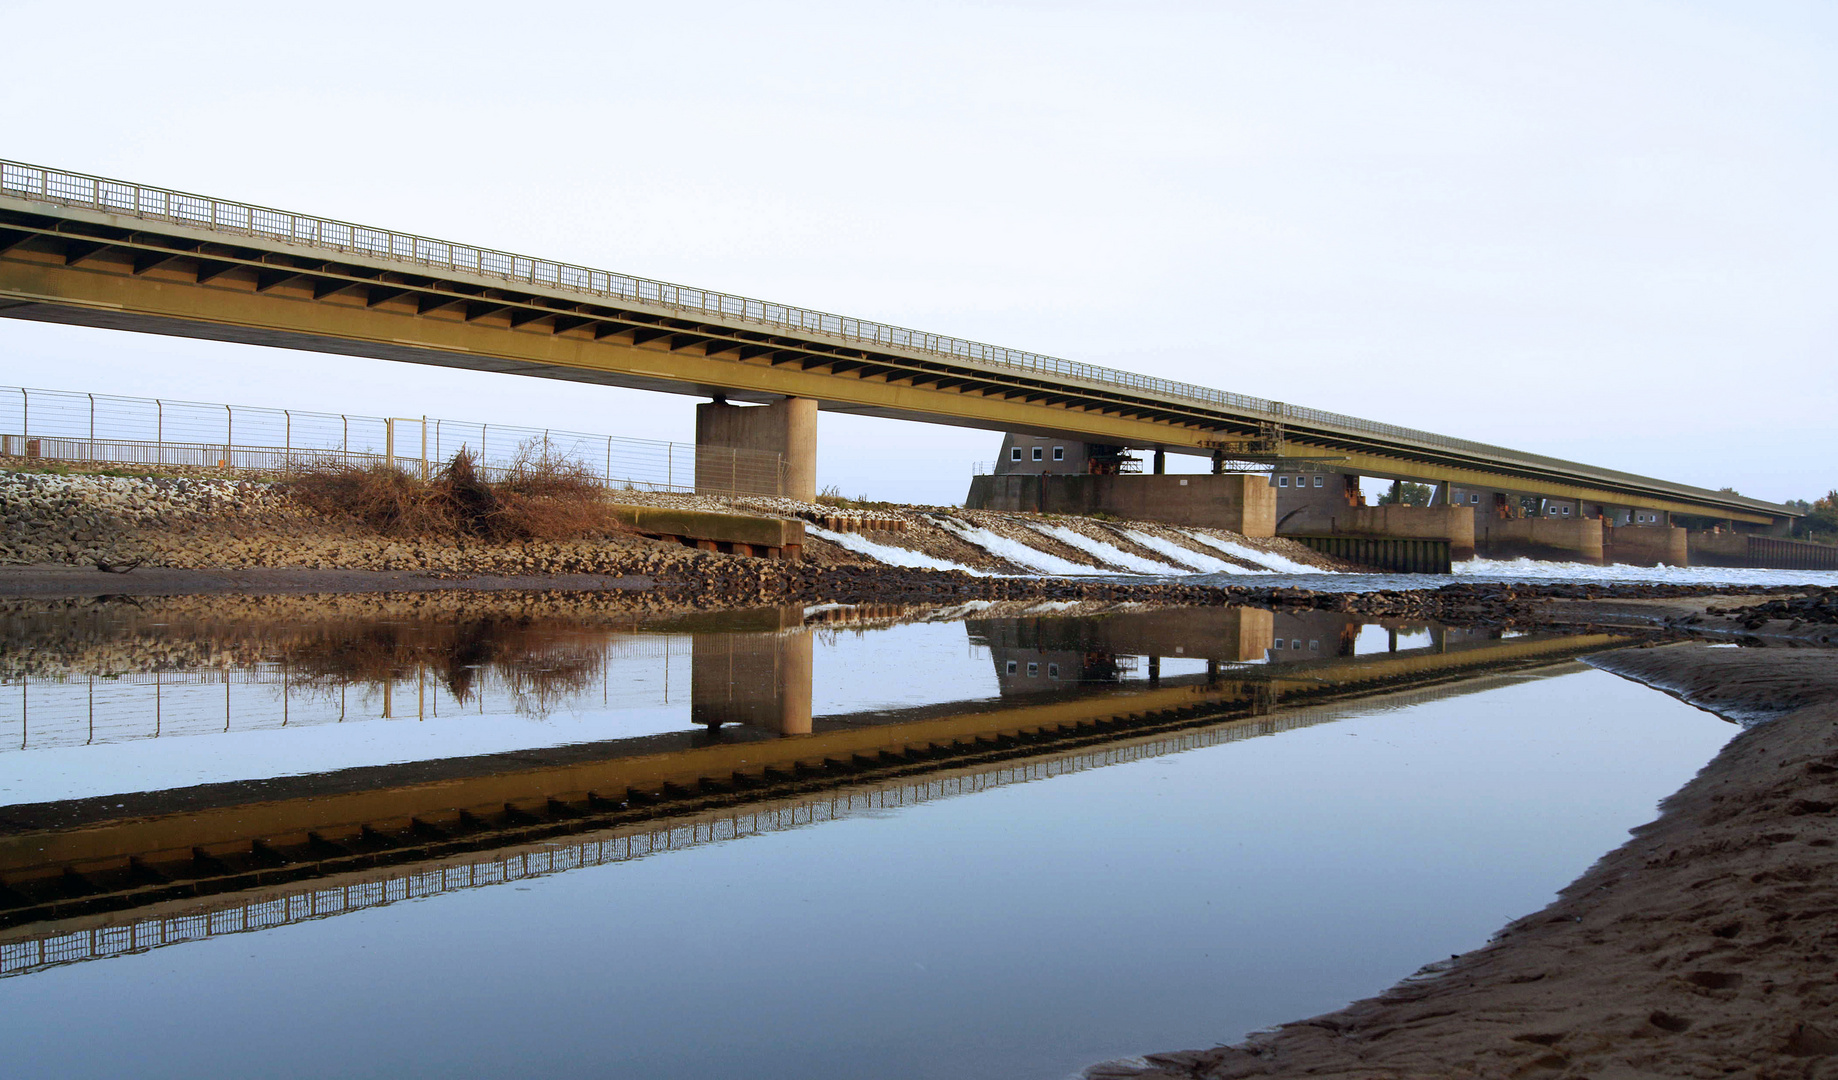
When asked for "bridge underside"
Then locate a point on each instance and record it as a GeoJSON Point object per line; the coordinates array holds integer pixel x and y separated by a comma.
{"type": "Point", "coordinates": [104, 270]}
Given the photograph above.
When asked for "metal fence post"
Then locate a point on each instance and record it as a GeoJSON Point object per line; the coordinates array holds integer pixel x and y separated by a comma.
{"type": "Point", "coordinates": [159, 428]}
{"type": "Point", "coordinates": [92, 417]}
{"type": "Point", "coordinates": [25, 412]}
{"type": "Point", "coordinates": [287, 450]}
{"type": "Point", "coordinates": [344, 439]}
{"type": "Point", "coordinates": [424, 447]}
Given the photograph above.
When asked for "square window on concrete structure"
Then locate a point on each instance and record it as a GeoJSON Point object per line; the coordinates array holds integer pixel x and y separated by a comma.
{"type": "Point", "coordinates": [1282, 481]}
{"type": "Point", "coordinates": [1319, 480]}
{"type": "Point", "coordinates": [1475, 499]}
{"type": "Point", "coordinates": [1011, 667]}
{"type": "Point", "coordinates": [1059, 453]}
{"type": "Point", "coordinates": [1314, 645]}
{"type": "Point", "coordinates": [1279, 643]}
{"type": "Point", "coordinates": [1037, 453]}
{"type": "Point", "coordinates": [1052, 671]}
{"type": "Point", "coordinates": [1014, 454]}
{"type": "Point", "coordinates": [1033, 671]}
{"type": "Point", "coordinates": [1566, 511]}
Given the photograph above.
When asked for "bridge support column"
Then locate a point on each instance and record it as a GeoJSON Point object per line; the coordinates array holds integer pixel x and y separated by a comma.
{"type": "Point", "coordinates": [761, 680]}
{"type": "Point", "coordinates": [749, 434]}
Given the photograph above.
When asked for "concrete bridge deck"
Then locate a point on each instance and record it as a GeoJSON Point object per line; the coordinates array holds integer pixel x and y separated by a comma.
{"type": "Point", "coordinates": [97, 252]}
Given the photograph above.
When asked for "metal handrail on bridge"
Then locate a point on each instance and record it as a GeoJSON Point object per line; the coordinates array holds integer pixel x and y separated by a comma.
{"type": "Point", "coordinates": [65, 188]}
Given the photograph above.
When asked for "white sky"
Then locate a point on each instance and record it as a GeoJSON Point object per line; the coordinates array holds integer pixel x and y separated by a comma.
{"type": "Point", "coordinates": [1602, 230]}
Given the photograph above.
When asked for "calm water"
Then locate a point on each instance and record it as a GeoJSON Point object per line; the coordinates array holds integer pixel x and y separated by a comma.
{"type": "Point", "coordinates": [1205, 833]}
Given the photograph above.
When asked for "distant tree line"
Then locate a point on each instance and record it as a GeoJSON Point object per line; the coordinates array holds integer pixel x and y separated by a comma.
{"type": "Point", "coordinates": [1404, 493]}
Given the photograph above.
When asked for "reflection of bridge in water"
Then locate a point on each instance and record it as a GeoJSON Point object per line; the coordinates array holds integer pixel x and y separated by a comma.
{"type": "Point", "coordinates": [71, 872]}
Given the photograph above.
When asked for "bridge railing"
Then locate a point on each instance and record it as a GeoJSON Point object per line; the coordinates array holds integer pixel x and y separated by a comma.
{"type": "Point", "coordinates": [244, 219]}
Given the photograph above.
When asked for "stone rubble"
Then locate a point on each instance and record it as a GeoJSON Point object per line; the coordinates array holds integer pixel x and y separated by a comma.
{"type": "Point", "coordinates": [228, 523]}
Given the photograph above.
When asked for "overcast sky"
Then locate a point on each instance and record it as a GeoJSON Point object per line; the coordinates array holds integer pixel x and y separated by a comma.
{"type": "Point", "coordinates": [1601, 230]}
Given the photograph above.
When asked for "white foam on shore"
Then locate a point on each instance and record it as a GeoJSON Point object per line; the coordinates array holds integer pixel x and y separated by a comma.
{"type": "Point", "coordinates": [1269, 560]}
{"type": "Point", "coordinates": [1534, 570]}
{"type": "Point", "coordinates": [1015, 551]}
{"type": "Point", "coordinates": [1109, 553]}
{"type": "Point", "coordinates": [887, 553]}
{"type": "Point", "coordinates": [1201, 562]}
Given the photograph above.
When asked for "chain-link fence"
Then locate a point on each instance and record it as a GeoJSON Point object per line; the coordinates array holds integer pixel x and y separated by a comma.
{"type": "Point", "coordinates": [61, 425]}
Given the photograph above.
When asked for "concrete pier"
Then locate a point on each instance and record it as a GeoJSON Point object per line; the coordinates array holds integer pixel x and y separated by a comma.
{"type": "Point", "coordinates": [787, 428]}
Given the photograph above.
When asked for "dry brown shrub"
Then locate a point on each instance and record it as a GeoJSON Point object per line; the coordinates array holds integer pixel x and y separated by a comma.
{"type": "Point", "coordinates": [384, 499]}
{"type": "Point", "coordinates": [543, 495]}
{"type": "Point", "coordinates": [549, 496]}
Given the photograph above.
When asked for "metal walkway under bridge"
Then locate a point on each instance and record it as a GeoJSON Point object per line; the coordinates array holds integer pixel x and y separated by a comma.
{"type": "Point", "coordinates": [97, 252]}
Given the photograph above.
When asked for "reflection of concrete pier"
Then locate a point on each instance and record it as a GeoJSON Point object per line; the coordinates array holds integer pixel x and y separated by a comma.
{"type": "Point", "coordinates": [760, 679]}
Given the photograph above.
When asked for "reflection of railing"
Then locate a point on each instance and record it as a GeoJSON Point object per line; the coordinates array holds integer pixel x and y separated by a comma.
{"type": "Point", "coordinates": [140, 201]}
{"type": "Point", "coordinates": [61, 425]}
{"type": "Point", "coordinates": [38, 712]}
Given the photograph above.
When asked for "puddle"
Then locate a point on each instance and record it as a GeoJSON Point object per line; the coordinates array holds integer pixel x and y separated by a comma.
{"type": "Point", "coordinates": [772, 844]}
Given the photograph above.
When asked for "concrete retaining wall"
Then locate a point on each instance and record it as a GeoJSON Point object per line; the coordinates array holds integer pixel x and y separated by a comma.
{"type": "Point", "coordinates": [1454, 524]}
{"type": "Point", "coordinates": [1718, 549]}
{"type": "Point", "coordinates": [1647, 545]}
{"type": "Point", "coordinates": [1751, 549]}
{"type": "Point", "coordinates": [1396, 554]}
{"type": "Point", "coordinates": [1541, 538]}
{"type": "Point", "coordinates": [1238, 502]}
{"type": "Point", "coordinates": [740, 534]}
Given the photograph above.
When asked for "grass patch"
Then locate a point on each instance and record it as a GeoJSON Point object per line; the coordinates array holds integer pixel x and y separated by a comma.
{"type": "Point", "coordinates": [833, 497]}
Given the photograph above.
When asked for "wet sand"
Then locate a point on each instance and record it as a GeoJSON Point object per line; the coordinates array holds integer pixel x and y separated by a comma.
{"type": "Point", "coordinates": [1704, 946]}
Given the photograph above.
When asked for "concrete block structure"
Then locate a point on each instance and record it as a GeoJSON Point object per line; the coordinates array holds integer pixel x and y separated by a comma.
{"type": "Point", "coordinates": [736, 534]}
{"type": "Point", "coordinates": [1036, 454]}
{"type": "Point", "coordinates": [1306, 502]}
{"type": "Point", "coordinates": [1239, 502]}
{"type": "Point", "coordinates": [1648, 545]}
{"type": "Point", "coordinates": [1560, 540]}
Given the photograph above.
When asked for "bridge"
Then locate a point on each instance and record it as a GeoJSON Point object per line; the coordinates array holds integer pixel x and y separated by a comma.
{"type": "Point", "coordinates": [92, 251]}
